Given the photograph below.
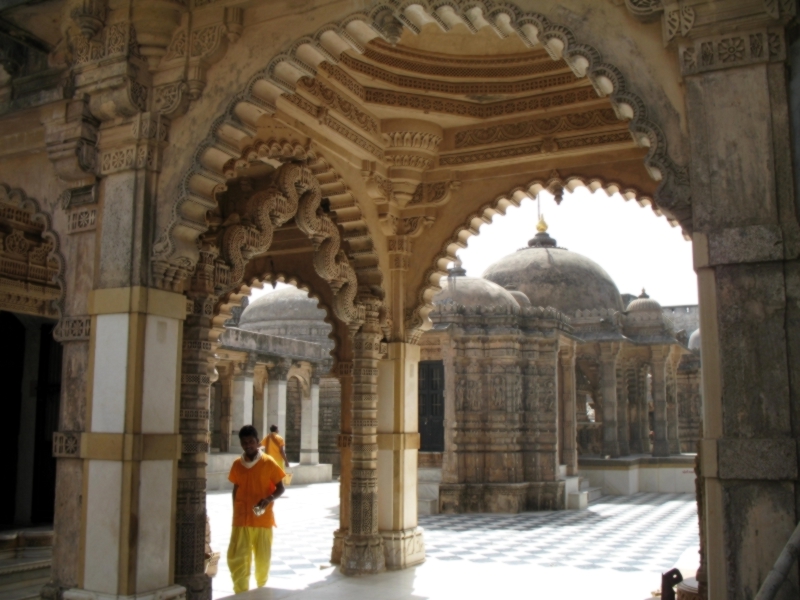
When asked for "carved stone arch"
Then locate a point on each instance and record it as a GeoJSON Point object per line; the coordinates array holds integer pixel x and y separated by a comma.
{"type": "Point", "coordinates": [43, 265]}
{"type": "Point", "coordinates": [417, 316]}
{"type": "Point", "coordinates": [176, 254]}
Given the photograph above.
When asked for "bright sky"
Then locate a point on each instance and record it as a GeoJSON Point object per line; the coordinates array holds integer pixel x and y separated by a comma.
{"type": "Point", "coordinates": [636, 247]}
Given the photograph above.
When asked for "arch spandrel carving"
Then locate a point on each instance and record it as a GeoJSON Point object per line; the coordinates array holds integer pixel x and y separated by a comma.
{"type": "Point", "coordinates": [31, 263]}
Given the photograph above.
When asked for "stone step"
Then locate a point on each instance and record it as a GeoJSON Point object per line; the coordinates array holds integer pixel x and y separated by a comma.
{"type": "Point", "coordinates": [20, 572]}
{"type": "Point", "coordinates": [595, 493]}
{"type": "Point", "coordinates": [30, 590]}
{"type": "Point", "coordinates": [428, 474]}
{"type": "Point", "coordinates": [428, 506]}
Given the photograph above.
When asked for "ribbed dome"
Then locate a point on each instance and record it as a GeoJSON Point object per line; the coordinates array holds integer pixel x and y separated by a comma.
{"type": "Point", "coordinates": [287, 312]}
{"type": "Point", "coordinates": [694, 341]}
{"type": "Point", "coordinates": [474, 291]}
{"type": "Point", "coordinates": [551, 276]}
{"type": "Point", "coordinates": [644, 303]}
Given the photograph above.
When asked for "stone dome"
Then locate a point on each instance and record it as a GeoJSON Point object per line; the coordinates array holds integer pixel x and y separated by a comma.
{"type": "Point", "coordinates": [521, 298]}
{"type": "Point", "coordinates": [694, 341]}
{"type": "Point", "coordinates": [552, 276]}
{"type": "Point", "coordinates": [288, 312]}
{"type": "Point", "coordinates": [473, 291]}
{"type": "Point", "coordinates": [644, 303]}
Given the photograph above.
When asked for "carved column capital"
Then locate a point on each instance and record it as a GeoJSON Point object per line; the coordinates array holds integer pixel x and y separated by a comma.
{"type": "Point", "coordinates": [280, 370]}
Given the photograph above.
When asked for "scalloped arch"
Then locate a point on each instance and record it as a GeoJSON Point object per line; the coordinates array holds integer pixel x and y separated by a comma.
{"type": "Point", "coordinates": [416, 324]}
{"type": "Point", "coordinates": [176, 253]}
{"type": "Point", "coordinates": [31, 206]}
{"type": "Point", "coordinates": [222, 310]}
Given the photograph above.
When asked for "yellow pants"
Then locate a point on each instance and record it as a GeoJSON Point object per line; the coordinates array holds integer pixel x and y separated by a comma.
{"type": "Point", "coordinates": [245, 542]}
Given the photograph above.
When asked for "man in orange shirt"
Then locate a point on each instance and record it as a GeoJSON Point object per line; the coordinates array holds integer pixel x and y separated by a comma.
{"type": "Point", "coordinates": [257, 481]}
{"type": "Point", "coordinates": [274, 445]}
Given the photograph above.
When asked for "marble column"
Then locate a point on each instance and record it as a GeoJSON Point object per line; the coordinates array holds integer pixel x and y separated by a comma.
{"type": "Point", "coordinates": [673, 435]}
{"type": "Point", "coordinates": [623, 424]}
{"type": "Point", "coordinates": [609, 352]}
{"type": "Point", "coordinates": [658, 368]}
{"type": "Point", "coordinates": [398, 446]}
{"type": "Point", "coordinates": [363, 550]}
{"type": "Point", "coordinates": [241, 402]}
{"type": "Point", "coordinates": [276, 396]}
{"type": "Point", "coordinates": [569, 424]}
{"type": "Point", "coordinates": [309, 424]}
{"type": "Point", "coordinates": [132, 444]}
{"type": "Point", "coordinates": [225, 407]}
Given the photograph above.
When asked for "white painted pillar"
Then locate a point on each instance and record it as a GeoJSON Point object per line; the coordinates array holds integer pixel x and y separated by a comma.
{"type": "Point", "coordinates": [398, 449]}
{"type": "Point", "coordinates": [309, 425]}
{"type": "Point", "coordinates": [131, 445]}
{"type": "Point", "coordinates": [241, 403]}
{"type": "Point", "coordinates": [27, 423]}
{"type": "Point", "coordinates": [276, 397]}
{"type": "Point", "coordinates": [260, 401]}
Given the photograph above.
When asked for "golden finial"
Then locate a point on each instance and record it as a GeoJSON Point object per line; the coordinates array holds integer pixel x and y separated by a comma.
{"type": "Point", "coordinates": [541, 227]}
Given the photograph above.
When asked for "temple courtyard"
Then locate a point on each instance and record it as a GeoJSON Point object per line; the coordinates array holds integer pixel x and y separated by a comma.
{"type": "Point", "coordinates": [616, 548]}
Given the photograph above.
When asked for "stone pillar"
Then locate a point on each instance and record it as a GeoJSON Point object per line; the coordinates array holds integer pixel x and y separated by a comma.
{"type": "Point", "coordinates": [398, 446]}
{"type": "Point", "coordinates": [260, 400]}
{"type": "Point", "coordinates": [746, 245]}
{"type": "Point", "coordinates": [309, 425]}
{"type": "Point", "coordinates": [673, 437]}
{"type": "Point", "coordinates": [197, 367]}
{"type": "Point", "coordinates": [637, 397]}
{"type": "Point", "coordinates": [27, 423]}
{"type": "Point", "coordinates": [363, 547]}
{"type": "Point", "coordinates": [225, 406]}
{"type": "Point", "coordinates": [608, 385]}
{"type": "Point", "coordinates": [276, 396]}
{"type": "Point", "coordinates": [569, 425]}
{"type": "Point", "coordinates": [623, 424]}
{"type": "Point", "coordinates": [131, 445]}
{"type": "Point", "coordinates": [242, 401]}
{"type": "Point", "coordinates": [344, 372]}
{"type": "Point", "coordinates": [658, 368]}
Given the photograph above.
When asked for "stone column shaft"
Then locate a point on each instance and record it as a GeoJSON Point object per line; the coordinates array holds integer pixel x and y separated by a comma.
{"type": "Point", "coordinates": [344, 372]}
{"type": "Point", "coordinates": [363, 547]}
{"type": "Point", "coordinates": [398, 446]}
{"type": "Point", "coordinates": [309, 425]}
{"type": "Point", "coordinates": [608, 384]}
{"type": "Point", "coordinates": [658, 365]}
{"type": "Point", "coordinates": [276, 397]}
{"type": "Point", "coordinates": [241, 403]}
{"type": "Point", "coordinates": [569, 427]}
{"type": "Point", "coordinates": [623, 421]}
{"type": "Point", "coordinates": [673, 436]}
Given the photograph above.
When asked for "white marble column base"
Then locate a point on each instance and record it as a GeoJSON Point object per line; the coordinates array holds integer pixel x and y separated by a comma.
{"type": "Point", "coordinates": [403, 549]}
{"type": "Point", "coordinates": [173, 592]}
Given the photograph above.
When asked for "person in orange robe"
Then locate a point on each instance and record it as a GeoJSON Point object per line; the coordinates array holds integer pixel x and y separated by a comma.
{"type": "Point", "coordinates": [274, 445]}
{"type": "Point", "coordinates": [257, 481]}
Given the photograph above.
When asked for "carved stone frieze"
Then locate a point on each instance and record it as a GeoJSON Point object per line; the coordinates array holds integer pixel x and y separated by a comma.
{"type": "Point", "coordinates": [333, 100]}
{"type": "Point", "coordinates": [536, 127]}
{"type": "Point", "coordinates": [72, 329]}
{"type": "Point", "coordinates": [732, 50]}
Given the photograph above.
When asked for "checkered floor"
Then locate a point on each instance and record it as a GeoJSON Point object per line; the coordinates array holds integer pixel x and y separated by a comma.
{"type": "Point", "coordinates": [644, 532]}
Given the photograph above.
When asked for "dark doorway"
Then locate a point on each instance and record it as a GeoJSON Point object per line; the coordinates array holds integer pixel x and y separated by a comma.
{"type": "Point", "coordinates": [12, 362]}
{"type": "Point", "coordinates": [48, 396]}
{"type": "Point", "coordinates": [431, 405]}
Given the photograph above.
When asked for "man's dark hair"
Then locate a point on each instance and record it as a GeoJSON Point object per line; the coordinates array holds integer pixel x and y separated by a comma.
{"type": "Point", "coordinates": [248, 431]}
{"type": "Point", "coordinates": [273, 428]}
